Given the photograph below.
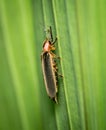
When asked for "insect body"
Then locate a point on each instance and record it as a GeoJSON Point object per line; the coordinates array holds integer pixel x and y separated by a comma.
{"type": "Point", "coordinates": [49, 67]}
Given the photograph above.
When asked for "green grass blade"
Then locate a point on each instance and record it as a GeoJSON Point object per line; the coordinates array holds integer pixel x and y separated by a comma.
{"type": "Point", "coordinates": [80, 27]}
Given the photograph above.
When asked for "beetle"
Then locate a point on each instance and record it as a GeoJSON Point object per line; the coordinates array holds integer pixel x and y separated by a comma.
{"type": "Point", "coordinates": [49, 67]}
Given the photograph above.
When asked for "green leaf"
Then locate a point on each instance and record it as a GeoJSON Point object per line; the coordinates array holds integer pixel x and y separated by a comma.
{"type": "Point", "coordinates": [80, 29]}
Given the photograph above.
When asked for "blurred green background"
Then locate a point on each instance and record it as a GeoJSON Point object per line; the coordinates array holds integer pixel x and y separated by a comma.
{"type": "Point", "coordinates": [80, 26]}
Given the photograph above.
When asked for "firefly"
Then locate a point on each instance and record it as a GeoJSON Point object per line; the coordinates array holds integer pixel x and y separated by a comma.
{"type": "Point", "coordinates": [49, 67]}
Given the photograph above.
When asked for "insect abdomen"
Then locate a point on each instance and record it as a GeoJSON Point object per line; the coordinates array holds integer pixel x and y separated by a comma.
{"type": "Point", "coordinates": [49, 75]}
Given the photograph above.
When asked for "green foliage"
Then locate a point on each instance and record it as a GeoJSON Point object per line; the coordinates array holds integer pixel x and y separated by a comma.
{"type": "Point", "coordinates": [80, 27]}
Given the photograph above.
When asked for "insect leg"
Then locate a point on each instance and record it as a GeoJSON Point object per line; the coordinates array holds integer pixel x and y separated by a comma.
{"type": "Point", "coordinates": [55, 69]}
{"type": "Point", "coordinates": [54, 56]}
{"type": "Point", "coordinates": [54, 41]}
{"type": "Point", "coordinates": [59, 74]}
